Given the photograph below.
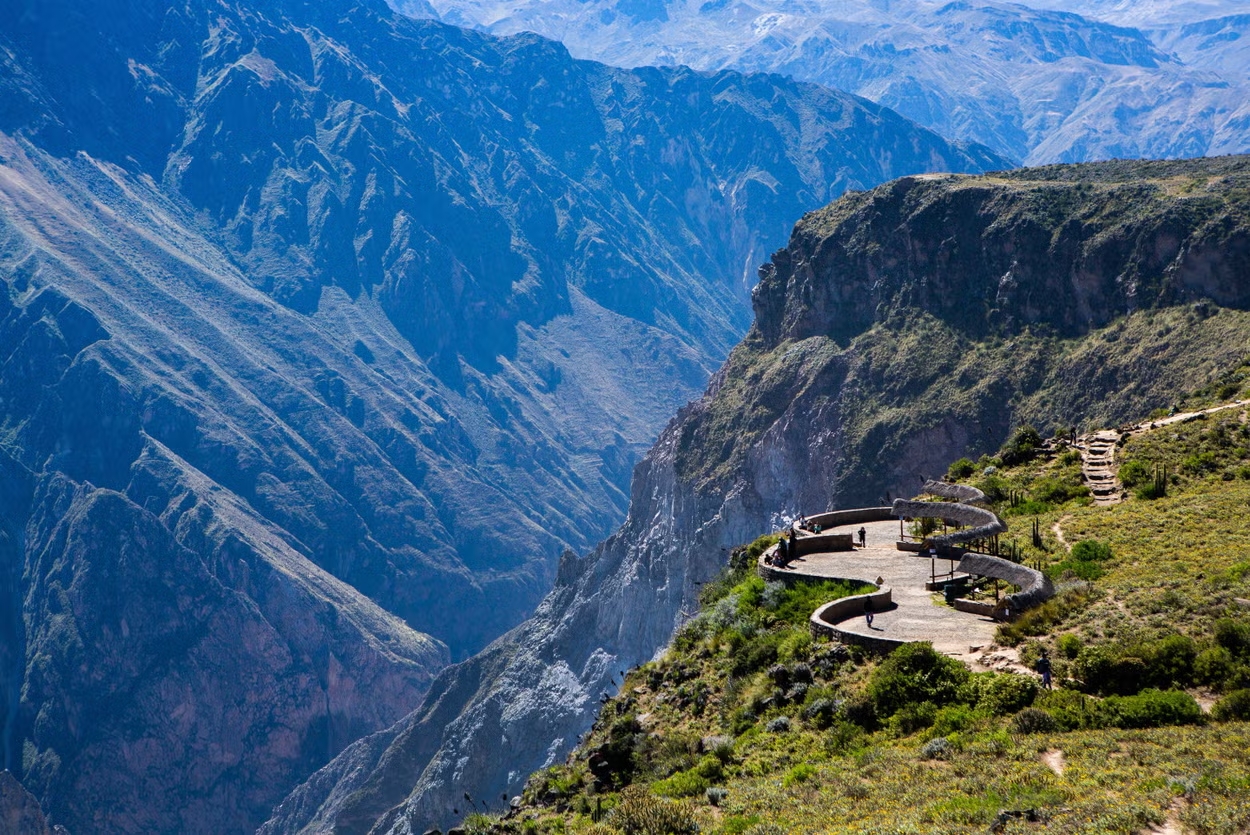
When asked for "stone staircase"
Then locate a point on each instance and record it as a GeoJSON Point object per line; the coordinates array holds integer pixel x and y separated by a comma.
{"type": "Point", "coordinates": [1098, 465]}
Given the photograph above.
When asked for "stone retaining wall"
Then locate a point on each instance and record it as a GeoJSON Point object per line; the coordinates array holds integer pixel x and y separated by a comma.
{"type": "Point", "coordinates": [825, 620]}
{"type": "Point", "coordinates": [819, 543]}
{"type": "Point", "coordinates": [975, 607]}
{"type": "Point", "coordinates": [853, 516]}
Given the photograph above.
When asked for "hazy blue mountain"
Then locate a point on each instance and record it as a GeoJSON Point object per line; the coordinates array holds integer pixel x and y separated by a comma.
{"type": "Point", "coordinates": [323, 334]}
{"type": "Point", "coordinates": [1091, 80]}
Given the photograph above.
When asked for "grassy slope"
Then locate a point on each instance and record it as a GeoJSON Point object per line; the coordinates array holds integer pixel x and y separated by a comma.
{"type": "Point", "coordinates": [1177, 565]}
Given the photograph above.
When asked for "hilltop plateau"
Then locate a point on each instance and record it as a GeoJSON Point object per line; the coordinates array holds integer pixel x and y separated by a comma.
{"type": "Point", "coordinates": [900, 329]}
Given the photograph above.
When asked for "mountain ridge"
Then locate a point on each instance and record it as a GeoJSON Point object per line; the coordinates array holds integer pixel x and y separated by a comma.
{"type": "Point", "coordinates": [1038, 82]}
{"type": "Point", "coordinates": [848, 390]}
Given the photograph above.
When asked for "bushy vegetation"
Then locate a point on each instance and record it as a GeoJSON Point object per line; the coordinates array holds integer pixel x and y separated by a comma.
{"type": "Point", "coordinates": [1024, 443]}
{"type": "Point", "coordinates": [1084, 562]}
{"type": "Point", "coordinates": [748, 725]}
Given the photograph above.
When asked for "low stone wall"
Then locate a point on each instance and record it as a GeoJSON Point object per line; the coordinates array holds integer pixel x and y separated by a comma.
{"type": "Point", "coordinates": [825, 620]}
{"type": "Point", "coordinates": [1035, 587]}
{"type": "Point", "coordinates": [976, 607]}
{"type": "Point", "coordinates": [818, 543]}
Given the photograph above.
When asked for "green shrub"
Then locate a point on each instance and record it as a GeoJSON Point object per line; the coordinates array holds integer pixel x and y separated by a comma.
{"type": "Point", "coordinates": [1135, 473]}
{"type": "Point", "coordinates": [1069, 710]}
{"type": "Point", "coordinates": [1100, 669]}
{"type": "Point", "coordinates": [1033, 720]}
{"type": "Point", "coordinates": [1236, 705]}
{"type": "Point", "coordinates": [682, 784]}
{"type": "Point", "coordinates": [1088, 571]}
{"type": "Point", "coordinates": [1058, 490]}
{"type": "Point", "coordinates": [1000, 693]}
{"type": "Point", "coordinates": [1200, 463]}
{"type": "Point", "coordinates": [960, 469]}
{"type": "Point", "coordinates": [911, 718]}
{"type": "Point", "coordinates": [480, 823]}
{"type": "Point", "coordinates": [1069, 645]}
{"type": "Point", "coordinates": [1213, 666]}
{"type": "Point", "coordinates": [843, 738]}
{"type": "Point", "coordinates": [1152, 709]}
{"type": "Point", "coordinates": [1147, 709]}
{"type": "Point", "coordinates": [1125, 669]}
{"type": "Point", "coordinates": [1023, 444]}
{"type": "Point", "coordinates": [1170, 660]}
{"type": "Point", "coordinates": [912, 674]}
{"type": "Point", "coordinates": [1151, 491]}
{"type": "Point", "coordinates": [995, 487]}
{"type": "Point", "coordinates": [952, 718]}
{"type": "Point", "coordinates": [1234, 636]}
{"type": "Point", "coordinates": [1029, 507]}
{"type": "Point", "coordinates": [801, 773]}
{"type": "Point", "coordinates": [641, 813]}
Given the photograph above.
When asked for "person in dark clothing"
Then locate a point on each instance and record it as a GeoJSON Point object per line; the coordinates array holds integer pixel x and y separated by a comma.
{"type": "Point", "coordinates": [868, 610]}
{"type": "Point", "coordinates": [1043, 667]}
{"type": "Point", "coordinates": [793, 550]}
{"type": "Point", "coordinates": [863, 537]}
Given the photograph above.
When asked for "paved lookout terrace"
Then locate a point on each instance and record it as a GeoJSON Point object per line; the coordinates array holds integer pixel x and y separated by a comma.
{"type": "Point", "coordinates": [914, 613]}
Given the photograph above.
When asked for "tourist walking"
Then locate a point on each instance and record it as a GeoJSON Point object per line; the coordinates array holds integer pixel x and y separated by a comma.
{"type": "Point", "coordinates": [863, 537]}
{"type": "Point", "coordinates": [1043, 667]}
{"type": "Point", "coordinates": [868, 610]}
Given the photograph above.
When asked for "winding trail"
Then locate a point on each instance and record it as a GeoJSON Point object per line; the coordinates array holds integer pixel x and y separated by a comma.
{"type": "Point", "coordinates": [1057, 529]}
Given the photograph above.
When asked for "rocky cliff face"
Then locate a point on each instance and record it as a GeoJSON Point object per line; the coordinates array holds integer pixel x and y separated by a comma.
{"type": "Point", "coordinates": [322, 334]}
{"type": "Point", "coordinates": [1096, 81]}
{"type": "Point", "coordinates": [901, 328]}
{"type": "Point", "coordinates": [19, 811]}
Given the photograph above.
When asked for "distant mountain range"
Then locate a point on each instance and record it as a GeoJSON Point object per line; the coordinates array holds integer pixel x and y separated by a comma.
{"type": "Point", "coordinates": [323, 333]}
{"type": "Point", "coordinates": [1059, 81]}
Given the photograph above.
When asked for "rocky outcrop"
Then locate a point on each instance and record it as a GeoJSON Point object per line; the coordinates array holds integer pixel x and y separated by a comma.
{"type": "Point", "coordinates": [19, 811]}
{"type": "Point", "coordinates": [890, 339]}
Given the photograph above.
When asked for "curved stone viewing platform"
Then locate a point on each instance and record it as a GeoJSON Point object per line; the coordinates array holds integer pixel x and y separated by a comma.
{"type": "Point", "coordinates": [904, 611]}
